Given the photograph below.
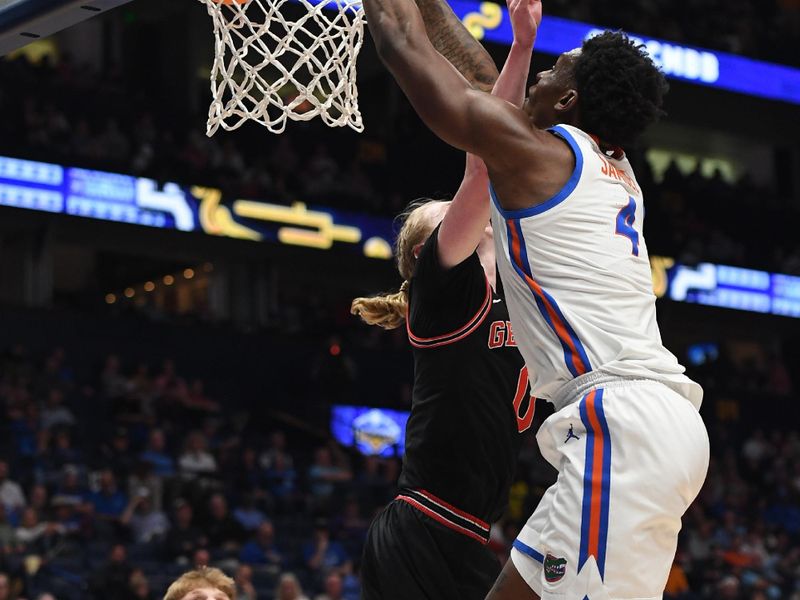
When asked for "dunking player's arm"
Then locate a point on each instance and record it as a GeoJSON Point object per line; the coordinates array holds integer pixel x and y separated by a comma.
{"type": "Point", "coordinates": [452, 40]}
{"type": "Point", "coordinates": [497, 131]}
{"type": "Point", "coordinates": [465, 223]}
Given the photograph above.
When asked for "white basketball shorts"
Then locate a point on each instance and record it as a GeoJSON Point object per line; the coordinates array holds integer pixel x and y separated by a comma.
{"type": "Point", "coordinates": [631, 457]}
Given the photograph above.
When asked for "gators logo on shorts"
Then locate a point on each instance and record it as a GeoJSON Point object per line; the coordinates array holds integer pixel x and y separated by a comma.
{"type": "Point", "coordinates": [554, 568]}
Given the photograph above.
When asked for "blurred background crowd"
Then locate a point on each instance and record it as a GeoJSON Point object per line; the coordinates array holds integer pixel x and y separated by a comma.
{"type": "Point", "coordinates": [116, 475]}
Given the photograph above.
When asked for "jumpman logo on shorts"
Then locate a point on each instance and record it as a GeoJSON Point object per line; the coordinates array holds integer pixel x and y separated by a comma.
{"type": "Point", "coordinates": [571, 434]}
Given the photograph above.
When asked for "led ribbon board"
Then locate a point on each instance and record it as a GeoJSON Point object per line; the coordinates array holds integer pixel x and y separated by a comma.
{"type": "Point", "coordinates": [53, 188]}
{"type": "Point", "coordinates": [727, 287]}
{"type": "Point", "coordinates": [490, 22]}
{"type": "Point", "coordinates": [140, 201]}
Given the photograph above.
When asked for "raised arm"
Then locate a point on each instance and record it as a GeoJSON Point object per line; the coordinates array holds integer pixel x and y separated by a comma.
{"type": "Point", "coordinates": [452, 40]}
{"type": "Point", "coordinates": [463, 225]}
{"type": "Point", "coordinates": [459, 114]}
{"type": "Point", "coordinates": [526, 16]}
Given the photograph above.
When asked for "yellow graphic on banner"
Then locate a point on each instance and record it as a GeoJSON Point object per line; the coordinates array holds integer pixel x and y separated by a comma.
{"type": "Point", "coordinates": [303, 227]}
{"type": "Point", "coordinates": [376, 247]}
{"type": "Point", "coordinates": [489, 17]}
{"type": "Point", "coordinates": [216, 219]}
{"type": "Point", "coordinates": [659, 266]}
{"type": "Point", "coordinates": [322, 232]}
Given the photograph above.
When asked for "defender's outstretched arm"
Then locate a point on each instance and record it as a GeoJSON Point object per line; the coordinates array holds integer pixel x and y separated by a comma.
{"type": "Point", "coordinates": [452, 40]}
{"type": "Point", "coordinates": [525, 16]}
{"type": "Point", "coordinates": [463, 225]}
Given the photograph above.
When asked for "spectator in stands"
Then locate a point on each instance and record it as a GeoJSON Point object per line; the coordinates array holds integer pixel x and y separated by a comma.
{"type": "Point", "coordinates": [334, 590]}
{"type": "Point", "coordinates": [25, 429]}
{"type": "Point", "coordinates": [247, 514]}
{"type": "Point", "coordinates": [139, 586]}
{"type": "Point", "coordinates": [11, 495]}
{"type": "Point", "coordinates": [39, 500]}
{"type": "Point", "coordinates": [349, 526]}
{"type": "Point", "coordinates": [169, 385]}
{"type": "Point", "coordinates": [70, 486]}
{"type": "Point", "coordinates": [289, 588]}
{"type": "Point", "coordinates": [155, 454]}
{"type": "Point", "coordinates": [197, 400]}
{"type": "Point", "coordinates": [71, 517]}
{"type": "Point", "coordinates": [113, 580]}
{"type": "Point", "coordinates": [108, 501]}
{"type": "Point", "coordinates": [196, 459]}
{"type": "Point", "coordinates": [55, 414]}
{"type": "Point", "coordinates": [117, 454]}
{"type": "Point", "coordinates": [276, 451]}
{"type": "Point", "coordinates": [112, 382]}
{"type": "Point", "coordinates": [224, 532]}
{"type": "Point", "coordinates": [35, 536]}
{"type": "Point", "coordinates": [145, 522]}
{"type": "Point", "coordinates": [248, 479]}
{"type": "Point", "coordinates": [140, 387]}
{"type": "Point", "coordinates": [279, 471]}
{"type": "Point", "coordinates": [5, 587]}
{"type": "Point", "coordinates": [325, 473]}
{"type": "Point", "coordinates": [183, 538]}
{"type": "Point", "coordinates": [144, 478]}
{"type": "Point", "coordinates": [201, 558]}
{"type": "Point", "coordinates": [61, 452]}
{"type": "Point", "coordinates": [322, 554]}
{"type": "Point", "coordinates": [8, 534]}
{"type": "Point", "coordinates": [244, 583]}
{"type": "Point", "coordinates": [262, 551]}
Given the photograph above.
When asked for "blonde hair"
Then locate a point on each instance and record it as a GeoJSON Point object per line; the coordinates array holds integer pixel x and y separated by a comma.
{"type": "Point", "coordinates": [201, 578]}
{"type": "Point", "coordinates": [292, 578]}
{"type": "Point", "coordinates": [389, 310]}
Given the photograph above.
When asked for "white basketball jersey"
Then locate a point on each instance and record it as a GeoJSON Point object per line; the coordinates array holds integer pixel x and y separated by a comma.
{"type": "Point", "coordinates": [577, 280]}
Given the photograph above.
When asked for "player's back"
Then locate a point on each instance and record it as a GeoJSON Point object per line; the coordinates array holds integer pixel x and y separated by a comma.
{"type": "Point", "coordinates": [577, 278]}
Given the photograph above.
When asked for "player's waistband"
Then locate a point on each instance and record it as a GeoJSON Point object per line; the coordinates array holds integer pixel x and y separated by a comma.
{"type": "Point", "coordinates": [574, 390]}
{"type": "Point", "coordinates": [446, 514]}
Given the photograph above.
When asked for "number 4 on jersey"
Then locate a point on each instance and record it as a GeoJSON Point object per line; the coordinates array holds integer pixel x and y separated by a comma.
{"type": "Point", "coordinates": [625, 220]}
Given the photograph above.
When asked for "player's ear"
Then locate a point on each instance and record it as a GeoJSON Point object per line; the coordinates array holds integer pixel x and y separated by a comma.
{"type": "Point", "coordinates": [417, 249]}
{"type": "Point", "coordinates": [567, 101]}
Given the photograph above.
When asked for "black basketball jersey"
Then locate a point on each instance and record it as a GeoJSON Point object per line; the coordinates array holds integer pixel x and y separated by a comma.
{"type": "Point", "coordinates": [470, 398]}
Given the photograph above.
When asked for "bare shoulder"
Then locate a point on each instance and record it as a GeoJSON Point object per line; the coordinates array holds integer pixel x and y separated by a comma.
{"type": "Point", "coordinates": [527, 165]}
{"type": "Point", "coordinates": [533, 171]}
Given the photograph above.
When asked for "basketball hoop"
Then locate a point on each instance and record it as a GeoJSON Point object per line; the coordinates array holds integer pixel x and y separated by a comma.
{"type": "Point", "coordinates": [285, 59]}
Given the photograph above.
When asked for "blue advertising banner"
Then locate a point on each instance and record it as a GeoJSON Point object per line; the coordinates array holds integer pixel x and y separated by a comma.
{"type": "Point", "coordinates": [727, 287]}
{"type": "Point", "coordinates": [53, 188]}
{"type": "Point", "coordinates": [489, 21]}
{"type": "Point", "coordinates": [141, 201]}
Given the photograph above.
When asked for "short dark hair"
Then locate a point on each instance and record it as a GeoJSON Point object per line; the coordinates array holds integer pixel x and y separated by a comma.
{"type": "Point", "coordinates": [621, 90]}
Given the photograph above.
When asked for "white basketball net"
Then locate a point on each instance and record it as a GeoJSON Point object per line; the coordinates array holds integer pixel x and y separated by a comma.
{"type": "Point", "coordinates": [285, 59]}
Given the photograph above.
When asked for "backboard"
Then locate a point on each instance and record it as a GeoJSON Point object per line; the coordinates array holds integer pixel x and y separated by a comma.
{"type": "Point", "coordinates": [24, 21]}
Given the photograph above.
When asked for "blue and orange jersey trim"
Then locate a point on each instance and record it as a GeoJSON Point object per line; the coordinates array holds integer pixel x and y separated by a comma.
{"type": "Point", "coordinates": [574, 353]}
{"type": "Point", "coordinates": [596, 481]}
